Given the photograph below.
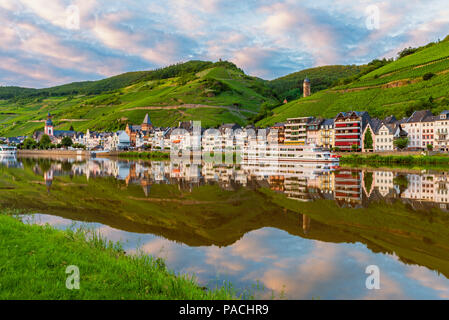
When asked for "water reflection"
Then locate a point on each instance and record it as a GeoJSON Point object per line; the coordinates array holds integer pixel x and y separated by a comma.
{"type": "Point", "coordinates": [298, 229]}
{"type": "Point", "coordinates": [303, 182]}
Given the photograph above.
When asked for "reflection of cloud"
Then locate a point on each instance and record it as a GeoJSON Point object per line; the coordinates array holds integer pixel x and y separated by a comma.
{"type": "Point", "coordinates": [430, 280]}
{"type": "Point", "coordinates": [303, 278]}
{"type": "Point", "coordinates": [255, 247]}
{"type": "Point", "coordinates": [389, 290]}
{"type": "Point", "coordinates": [223, 263]}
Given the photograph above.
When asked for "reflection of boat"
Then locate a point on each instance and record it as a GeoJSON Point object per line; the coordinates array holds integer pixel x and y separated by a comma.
{"type": "Point", "coordinates": [9, 160]}
{"type": "Point", "coordinates": [7, 150]}
{"type": "Point", "coordinates": [281, 152]}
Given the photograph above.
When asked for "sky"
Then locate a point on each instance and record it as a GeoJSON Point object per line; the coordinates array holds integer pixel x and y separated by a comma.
{"type": "Point", "coordinates": [52, 42]}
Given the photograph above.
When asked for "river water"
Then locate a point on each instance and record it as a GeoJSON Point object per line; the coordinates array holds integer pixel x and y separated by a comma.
{"type": "Point", "coordinates": [291, 231]}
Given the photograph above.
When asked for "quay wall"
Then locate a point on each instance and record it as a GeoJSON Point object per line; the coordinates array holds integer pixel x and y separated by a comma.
{"type": "Point", "coordinates": [54, 153]}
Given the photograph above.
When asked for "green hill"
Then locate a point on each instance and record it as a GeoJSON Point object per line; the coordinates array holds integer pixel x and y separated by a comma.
{"type": "Point", "coordinates": [290, 87]}
{"type": "Point", "coordinates": [418, 80]}
{"type": "Point", "coordinates": [197, 90]}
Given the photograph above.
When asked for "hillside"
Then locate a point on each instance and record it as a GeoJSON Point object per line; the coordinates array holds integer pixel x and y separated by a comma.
{"type": "Point", "coordinates": [290, 86]}
{"type": "Point", "coordinates": [197, 90]}
{"type": "Point", "coordinates": [416, 81]}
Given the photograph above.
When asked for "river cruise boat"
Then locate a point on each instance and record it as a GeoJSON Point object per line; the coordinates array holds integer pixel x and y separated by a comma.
{"type": "Point", "coordinates": [282, 152]}
{"type": "Point", "coordinates": [7, 150]}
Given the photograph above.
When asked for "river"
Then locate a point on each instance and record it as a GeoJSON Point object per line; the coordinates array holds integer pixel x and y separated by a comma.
{"type": "Point", "coordinates": [291, 231]}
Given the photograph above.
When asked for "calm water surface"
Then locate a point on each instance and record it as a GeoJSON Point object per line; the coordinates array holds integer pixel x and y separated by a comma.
{"type": "Point", "coordinates": [298, 231]}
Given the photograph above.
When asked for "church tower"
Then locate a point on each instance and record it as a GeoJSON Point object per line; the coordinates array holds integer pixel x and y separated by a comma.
{"type": "Point", "coordinates": [49, 126]}
{"type": "Point", "coordinates": [147, 125]}
{"type": "Point", "coordinates": [306, 87]}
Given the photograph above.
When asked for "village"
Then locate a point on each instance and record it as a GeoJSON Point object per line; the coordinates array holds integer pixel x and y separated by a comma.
{"type": "Point", "coordinates": [347, 132]}
{"type": "Point", "coordinates": [354, 131]}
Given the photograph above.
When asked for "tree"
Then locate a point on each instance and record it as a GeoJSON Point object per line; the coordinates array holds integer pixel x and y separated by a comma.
{"type": "Point", "coordinates": [71, 128]}
{"type": "Point", "coordinates": [429, 147]}
{"type": "Point", "coordinates": [355, 148]}
{"type": "Point", "coordinates": [45, 142]}
{"type": "Point", "coordinates": [66, 142]}
{"type": "Point", "coordinates": [428, 76]}
{"type": "Point", "coordinates": [368, 141]}
{"type": "Point", "coordinates": [29, 143]}
{"type": "Point", "coordinates": [401, 143]}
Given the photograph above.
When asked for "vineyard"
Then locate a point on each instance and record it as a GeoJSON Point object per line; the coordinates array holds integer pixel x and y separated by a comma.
{"type": "Point", "coordinates": [397, 89]}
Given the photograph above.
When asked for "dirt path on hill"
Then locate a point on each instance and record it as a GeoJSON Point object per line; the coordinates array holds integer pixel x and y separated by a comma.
{"type": "Point", "coordinates": [67, 120]}
{"type": "Point", "coordinates": [189, 106]}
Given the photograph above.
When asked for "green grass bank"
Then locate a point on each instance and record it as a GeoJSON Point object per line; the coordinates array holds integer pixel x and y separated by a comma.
{"type": "Point", "coordinates": [33, 262]}
{"type": "Point", "coordinates": [154, 155]}
{"type": "Point", "coordinates": [395, 160]}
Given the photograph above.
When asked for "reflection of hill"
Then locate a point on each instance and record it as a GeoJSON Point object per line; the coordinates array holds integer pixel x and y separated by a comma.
{"type": "Point", "coordinates": [208, 215]}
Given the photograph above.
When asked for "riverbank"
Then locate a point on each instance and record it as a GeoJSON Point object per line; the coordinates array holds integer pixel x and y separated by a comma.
{"type": "Point", "coordinates": [34, 260]}
{"type": "Point", "coordinates": [422, 160]}
{"type": "Point", "coordinates": [53, 153]}
{"type": "Point", "coordinates": [152, 155]}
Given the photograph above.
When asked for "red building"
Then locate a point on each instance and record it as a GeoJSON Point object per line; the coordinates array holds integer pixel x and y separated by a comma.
{"type": "Point", "coordinates": [349, 127]}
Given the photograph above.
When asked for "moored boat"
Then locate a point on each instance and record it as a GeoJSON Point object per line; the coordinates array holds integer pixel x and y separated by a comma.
{"type": "Point", "coordinates": [282, 152]}
{"type": "Point", "coordinates": [7, 150]}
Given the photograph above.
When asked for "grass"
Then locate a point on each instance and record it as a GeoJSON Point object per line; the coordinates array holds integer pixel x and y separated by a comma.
{"type": "Point", "coordinates": [145, 155]}
{"type": "Point", "coordinates": [33, 262]}
{"type": "Point", "coordinates": [393, 159]}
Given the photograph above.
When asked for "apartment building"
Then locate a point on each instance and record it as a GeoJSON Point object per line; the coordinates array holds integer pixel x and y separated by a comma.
{"type": "Point", "coordinates": [313, 131]}
{"type": "Point", "coordinates": [441, 133]}
{"type": "Point", "coordinates": [349, 127]}
{"type": "Point", "coordinates": [327, 134]}
{"type": "Point", "coordinates": [296, 130]}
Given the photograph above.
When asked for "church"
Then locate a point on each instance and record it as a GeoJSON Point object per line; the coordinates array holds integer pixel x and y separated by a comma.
{"type": "Point", "coordinates": [55, 135]}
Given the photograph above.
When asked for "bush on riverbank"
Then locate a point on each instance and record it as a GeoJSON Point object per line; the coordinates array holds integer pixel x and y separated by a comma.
{"type": "Point", "coordinates": [407, 160]}
{"type": "Point", "coordinates": [145, 155]}
{"type": "Point", "coordinates": [34, 259]}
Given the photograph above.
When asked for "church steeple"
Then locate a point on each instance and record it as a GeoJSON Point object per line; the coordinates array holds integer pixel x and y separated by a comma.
{"type": "Point", "coordinates": [146, 124]}
{"type": "Point", "coordinates": [49, 126]}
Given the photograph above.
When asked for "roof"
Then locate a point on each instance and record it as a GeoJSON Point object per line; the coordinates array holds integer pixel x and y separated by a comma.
{"type": "Point", "coordinates": [64, 133]}
{"type": "Point", "coordinates": [419, 116]}
{"type": "Point", "coordinates": [147, 119]}
{"type": "Point", "coordinates": [390, 119]}
{"type": "Point", "coordinates": [231, 126]}
{"type": "Point", "coordinates": [328, 122]}
{"type": "Point", "coordinates": [375, 125]}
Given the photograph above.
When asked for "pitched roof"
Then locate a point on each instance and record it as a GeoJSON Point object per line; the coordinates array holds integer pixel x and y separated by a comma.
{"type": "Point", "coordinates": [390, 119]}
{"type": "Point", "coordinates": [147, 119]}
{"type": "Point", "coordinates": [419, 116]}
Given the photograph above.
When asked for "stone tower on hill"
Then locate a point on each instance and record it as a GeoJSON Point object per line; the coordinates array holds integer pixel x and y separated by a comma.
{"type": "Point", "coordinates": [306, 87]}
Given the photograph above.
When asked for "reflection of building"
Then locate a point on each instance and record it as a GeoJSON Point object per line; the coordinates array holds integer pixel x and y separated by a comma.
{"type": "Point", "coordinates": [297, 181]}
{"type": "Point", "coordinates": [348, 186]}
{"type": "Point", "coordinates": [48, 178]}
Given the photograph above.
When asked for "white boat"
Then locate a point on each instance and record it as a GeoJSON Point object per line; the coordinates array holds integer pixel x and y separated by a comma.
{"type": "Point", "coordinates": [283, 152]}
{"type": "Point", "coordinates": [7, 150]}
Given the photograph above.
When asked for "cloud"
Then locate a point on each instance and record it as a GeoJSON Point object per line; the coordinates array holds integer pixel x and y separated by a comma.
{"type": "Point", "coordinates": [266, 38]}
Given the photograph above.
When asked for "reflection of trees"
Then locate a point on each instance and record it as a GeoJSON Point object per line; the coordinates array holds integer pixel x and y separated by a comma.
{"type": "Point", "coordinates": [44, 164]}
{"type": "Point", "coordinates": [66, 166]}
{"type": "Point", "coordinates": [368, 180]}
{"type": "Point", "coordinates": [402, 182]}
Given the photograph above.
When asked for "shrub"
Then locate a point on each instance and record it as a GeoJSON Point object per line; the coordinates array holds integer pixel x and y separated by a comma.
{"type": "Point", "coordinates": [428, 76]}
